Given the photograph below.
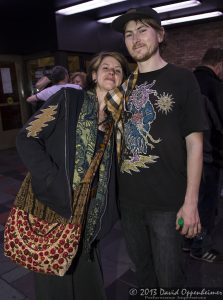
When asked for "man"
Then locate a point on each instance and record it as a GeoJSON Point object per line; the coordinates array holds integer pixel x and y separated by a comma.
{"type": "Point", "coordinates": [209, 78]}
{"type": "Point", "coordinates": [60, 79]}
{"type": "Point", "coordinates": [160, 141]}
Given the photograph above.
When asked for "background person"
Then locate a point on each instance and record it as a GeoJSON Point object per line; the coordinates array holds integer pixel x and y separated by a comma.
{"type": "Point", "coordinates": [209, 75]}
{"type": "Point", "coordinates": [78, 78]}
{"type": "Point", "coordinates": [59, 79]}
{"type": "Point", "coordinates": [43, 82]}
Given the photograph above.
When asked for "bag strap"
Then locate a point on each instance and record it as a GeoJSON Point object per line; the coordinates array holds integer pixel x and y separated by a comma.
{"type": "Point", "coordinates": [97, 157]}
{"type": "Point", "coordinates": [85, 185]}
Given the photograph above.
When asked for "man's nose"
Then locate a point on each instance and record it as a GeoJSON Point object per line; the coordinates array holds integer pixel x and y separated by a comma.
{"type": "Point", "coordinates": [135, 37]}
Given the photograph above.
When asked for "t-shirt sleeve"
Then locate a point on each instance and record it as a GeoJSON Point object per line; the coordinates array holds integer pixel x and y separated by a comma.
{"type": "Point", "coordinates": [47, 93]}
{"type": "Point", "coordinates": [193, 116]}
{"type": "Point", "coordinates": [43, 95]}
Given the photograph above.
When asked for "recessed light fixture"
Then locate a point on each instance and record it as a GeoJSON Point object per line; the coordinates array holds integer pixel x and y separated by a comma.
{"type": "Point", "coordinates": [192, 18]}
{"type": "Point", "coordinates": [176, 6]}
{"type": "Point", "coordinates": [177, 20]}
{"type": "Point", "coordinates": [86, 6]}
{"type": "Point", "coordinates": [162, 9]}
{"type": "Point", "coordinates": [108, 20]}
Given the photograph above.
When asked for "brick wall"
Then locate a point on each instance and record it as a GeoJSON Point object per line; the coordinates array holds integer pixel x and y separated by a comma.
{"type": "Point", "coordinates": [186, 45]}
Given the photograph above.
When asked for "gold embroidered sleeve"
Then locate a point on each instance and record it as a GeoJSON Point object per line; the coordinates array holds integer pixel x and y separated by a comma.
{"type": "Point", "coordinates": [42, 120]}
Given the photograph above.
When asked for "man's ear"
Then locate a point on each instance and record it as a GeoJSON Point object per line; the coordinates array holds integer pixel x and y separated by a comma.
{"type": "Point", "coordinates": [161, 35]}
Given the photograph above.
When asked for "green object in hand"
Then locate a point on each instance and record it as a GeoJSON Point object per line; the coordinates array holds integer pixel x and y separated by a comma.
{"type": "Point", "coordinates": [181, 222]}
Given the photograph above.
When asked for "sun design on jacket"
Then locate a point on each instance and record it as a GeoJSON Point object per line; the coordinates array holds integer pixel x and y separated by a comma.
{"type": "Point", "coordinates": [164, 103]}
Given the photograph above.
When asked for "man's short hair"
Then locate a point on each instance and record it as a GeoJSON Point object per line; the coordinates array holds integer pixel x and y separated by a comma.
{"type": "Point", "coordinates": [59, 73]}
{"type": "Point", "coordinates": [213, 56]}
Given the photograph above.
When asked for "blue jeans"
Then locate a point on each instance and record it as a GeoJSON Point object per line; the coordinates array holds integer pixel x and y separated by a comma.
{"type": "Point", "coordinates": [154, 247]}
{"type": "Point", "coordinates": [208, 196]}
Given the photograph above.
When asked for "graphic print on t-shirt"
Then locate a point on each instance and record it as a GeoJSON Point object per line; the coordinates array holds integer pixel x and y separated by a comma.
{"type": "Point", "coordinates": [138, 118]}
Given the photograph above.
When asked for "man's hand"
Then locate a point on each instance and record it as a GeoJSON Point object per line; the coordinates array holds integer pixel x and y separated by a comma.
{"type": "Point", "coordinates": [189, 210]}
{"type": "Point", "coordinates": [192, 225]}
{"type": "Point", "coordinates": [32, 99]}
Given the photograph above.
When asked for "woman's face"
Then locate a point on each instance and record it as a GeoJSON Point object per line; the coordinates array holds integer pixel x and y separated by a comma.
{"type": "Point", "coordinates": [78, 80]}
{"type": "Point", "coordinates": [109, 74]}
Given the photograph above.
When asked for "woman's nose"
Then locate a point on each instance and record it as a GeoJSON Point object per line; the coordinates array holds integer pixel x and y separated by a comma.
{"type": "Point", "coordinates": [111, 71]}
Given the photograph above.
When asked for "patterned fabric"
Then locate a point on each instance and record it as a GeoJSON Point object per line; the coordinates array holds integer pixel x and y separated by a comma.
{"type": "Point", "coordinates": [86, 135]}
{"type": "Point", "coordinates": [144, 107]}
{"type": "Point", "coordinates": [116, 100]}
{"type": "Point", "coordinates": [38, 245]}
{"type": "Point", "coordinates": [49, 247]}
{"type": "Point", "coordinates": [26, 200]}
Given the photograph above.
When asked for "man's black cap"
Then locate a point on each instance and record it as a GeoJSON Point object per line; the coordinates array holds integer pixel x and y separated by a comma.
{"type": "Point", "coordinates": [133, 14]}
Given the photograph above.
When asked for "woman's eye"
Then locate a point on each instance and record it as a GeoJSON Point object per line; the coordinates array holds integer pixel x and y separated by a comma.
{"type": "Point", "coordinates": [118, 71]}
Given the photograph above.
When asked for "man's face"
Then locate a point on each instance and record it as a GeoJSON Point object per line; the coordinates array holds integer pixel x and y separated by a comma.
{"type": "Point", "coordinates": [142, 41]}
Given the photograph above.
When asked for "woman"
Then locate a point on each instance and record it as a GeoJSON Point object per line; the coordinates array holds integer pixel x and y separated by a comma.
{"type": "Point", "coordinates": [57, 145]}
{"type": "Point", "coordinates": [78, 78]}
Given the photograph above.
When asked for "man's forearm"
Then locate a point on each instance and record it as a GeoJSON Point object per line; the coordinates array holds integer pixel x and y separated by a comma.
{"type": "Point", "coordinates": [189, 210]}
{"type": "Point", "coordinates": [194, 144]}
{"type": "Point", "coordinates": [32, 99]}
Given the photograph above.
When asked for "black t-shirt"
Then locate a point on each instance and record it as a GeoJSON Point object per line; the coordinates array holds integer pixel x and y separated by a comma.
{"type": "Point", "coordinates": [164, 107]}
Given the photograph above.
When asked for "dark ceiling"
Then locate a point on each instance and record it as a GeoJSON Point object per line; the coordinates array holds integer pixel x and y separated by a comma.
{"type": "Point", "coordinates": [119, 8]}
{"type": "Point", "coordinates": [29, 26]}
{"type": "Point", "coordinates": [22, 8]}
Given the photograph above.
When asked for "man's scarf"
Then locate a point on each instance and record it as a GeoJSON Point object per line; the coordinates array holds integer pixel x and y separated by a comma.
{"type": "Point", "coordinates": [116, 101]}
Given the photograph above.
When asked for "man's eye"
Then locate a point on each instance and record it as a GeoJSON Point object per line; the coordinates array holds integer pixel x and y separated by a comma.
{"type": "Point", "coordinates": [128, 35]}
{"type": "Point", "coordinates": [142, 30]}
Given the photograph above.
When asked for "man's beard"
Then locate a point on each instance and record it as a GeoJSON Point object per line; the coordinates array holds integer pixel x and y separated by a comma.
{"type": "Point", "coordinates": [147, 55]}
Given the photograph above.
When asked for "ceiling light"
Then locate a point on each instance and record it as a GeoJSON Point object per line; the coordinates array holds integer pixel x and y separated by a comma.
{"type": "Point", "coordinates": [86, 6]}
{"type": "Point", "coordinates": [108, 20]}
{"type": "Point", "coordinates": [192, 18]}
{"type": "Point", "coordinates": [162, 9]}
{"type": "Point", "coordinates": [176, 20]}
{"type": "Point", "coordinates": [176, 6]}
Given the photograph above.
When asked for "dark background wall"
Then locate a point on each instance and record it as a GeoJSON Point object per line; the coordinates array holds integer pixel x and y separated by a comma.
{"type": "Point", "coordinates": [186, 45]}
{"type": "Point", "coordinates": [82, 34]}
{"type": "Point", "coordinates": [27, 27]}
